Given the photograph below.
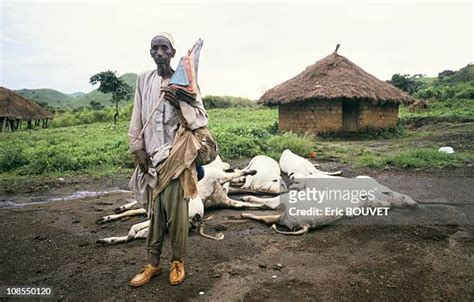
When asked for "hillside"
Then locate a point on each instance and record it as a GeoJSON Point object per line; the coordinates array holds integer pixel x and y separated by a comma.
{"type": "Point", "coordinates": [103, 99]}
{"type": "Point", "coordinates": [59, 100]}
{"type": "Point", "coordinates": [77, 94]}
{"type": "Point", "coordinates": [50, 97]}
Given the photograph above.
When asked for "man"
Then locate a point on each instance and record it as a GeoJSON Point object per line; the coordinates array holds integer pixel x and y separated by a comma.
{"type": "Point", "coordinates": [170, 208]}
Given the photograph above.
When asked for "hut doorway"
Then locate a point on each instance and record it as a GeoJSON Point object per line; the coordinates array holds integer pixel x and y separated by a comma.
{"type": "Point", "coordinates": [350, 115]}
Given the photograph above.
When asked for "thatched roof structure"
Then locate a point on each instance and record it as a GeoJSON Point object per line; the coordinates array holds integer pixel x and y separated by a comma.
{"type": "Point", "coordinates": [334, 77]}
{"type": "Point", "coordinates": [15, 106]}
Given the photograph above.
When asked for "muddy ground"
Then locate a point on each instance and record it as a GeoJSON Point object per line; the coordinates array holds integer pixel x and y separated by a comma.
{"type": "Point", "coordinates": [426, 254]}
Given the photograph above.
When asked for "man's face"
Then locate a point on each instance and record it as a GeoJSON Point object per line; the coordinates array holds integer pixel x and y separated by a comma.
{"type": "Point", "coordinates": [161, 51]}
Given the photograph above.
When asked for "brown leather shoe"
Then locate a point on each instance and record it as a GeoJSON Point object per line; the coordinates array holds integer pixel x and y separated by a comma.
{"type": "Point", "coordinates": [145, 275]}
{"type": "Point", "coordinates": [177, 272]}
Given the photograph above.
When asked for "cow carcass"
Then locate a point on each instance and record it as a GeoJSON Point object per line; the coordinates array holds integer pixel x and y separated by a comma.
{"type": "Point", "coordinates": [300, 169]}
{"type": "Point", "coordinates": [212, 189]}
{"type": "Point", "coordinates": [267, 180]}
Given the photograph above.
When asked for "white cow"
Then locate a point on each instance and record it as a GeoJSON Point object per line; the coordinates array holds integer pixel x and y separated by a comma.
{"type": "Point", "coordinates": [295, 167]}
{"type": "Point", "coordinates": [298, 167]}
{"type": "Point", "coordinates": [267, 180]}
{"type": "Point", "coordinates": [299, 225]}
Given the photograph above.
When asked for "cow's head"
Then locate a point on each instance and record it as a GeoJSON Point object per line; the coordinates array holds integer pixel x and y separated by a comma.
{"type": "Point", "coordinates": [218, 164]}
{"type": "Point", "coordinates": [277, 185]}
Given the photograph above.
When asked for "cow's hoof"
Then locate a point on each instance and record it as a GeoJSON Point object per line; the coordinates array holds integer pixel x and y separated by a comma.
{"type": "Point", "coordinates": [119, 210]}
{"type": "Point", "coordinates": [100, 221]}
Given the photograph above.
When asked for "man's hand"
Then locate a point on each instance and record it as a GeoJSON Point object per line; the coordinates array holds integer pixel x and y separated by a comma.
{"type": "Point", "coordinates": [170, 96]}
{"type": "Point", "coordinates": [143, 160]}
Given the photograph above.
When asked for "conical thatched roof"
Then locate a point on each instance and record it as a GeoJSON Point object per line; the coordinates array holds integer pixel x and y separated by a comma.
{"type": "Point", "coordinates": [334, 77]}
{"type": "Point", "coordinates": [13, 105]}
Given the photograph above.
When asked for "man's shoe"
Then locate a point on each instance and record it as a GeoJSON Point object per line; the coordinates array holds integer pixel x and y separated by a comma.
{"type": "Point", "coordinates": [145, 275]}
{"type": "Point", "coordinates": [177, 272]}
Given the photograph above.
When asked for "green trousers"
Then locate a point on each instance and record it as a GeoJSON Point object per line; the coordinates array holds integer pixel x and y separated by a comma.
{"type": "Point", "coordinates": [170, 210]}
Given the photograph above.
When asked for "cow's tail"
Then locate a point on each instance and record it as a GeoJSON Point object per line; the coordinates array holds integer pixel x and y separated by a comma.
{"type": "Point", "coordinates": [219, 236]}
{"type": "Point", "coordinates": [302, 231]}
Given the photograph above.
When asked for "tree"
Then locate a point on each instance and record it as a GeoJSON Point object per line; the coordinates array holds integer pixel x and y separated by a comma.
{"type": "Point", "coordinates": [95, 105]}
{"type": "Point", "coordinates": [110, 83]}
{"type": "Point", "coordinates": [445, 74]}
{"type": "Point", "coordinates": [407, 83]}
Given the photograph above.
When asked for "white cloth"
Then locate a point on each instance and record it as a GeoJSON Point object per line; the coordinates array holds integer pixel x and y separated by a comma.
{"type": "Point", "coordinates": [162, 128]}
{"type": "Point", "coordinates": [141, 183]}
{"type": "Point", "coordinates": [167, 36]}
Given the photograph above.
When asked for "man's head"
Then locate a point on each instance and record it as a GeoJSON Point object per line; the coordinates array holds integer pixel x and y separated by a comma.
{"type": "Point", "coordinates": [162, 49]}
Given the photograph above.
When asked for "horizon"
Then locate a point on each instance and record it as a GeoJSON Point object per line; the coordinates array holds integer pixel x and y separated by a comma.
{"type": "Point", "coordinates": [136, 74]}
{"type": "Point", "coordinates": [41, 38]}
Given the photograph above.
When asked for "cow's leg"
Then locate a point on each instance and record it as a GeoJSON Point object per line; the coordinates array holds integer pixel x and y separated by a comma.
{"type": "Point", "coordinates": [268, 219]}
{"type": "Point", "coordinates": [118, 216]}
{"type": "Point", "coordinates": [125, 207]}
{"type": "Point", "coordinates": [251, 198]}
{"type": "Point", "coordinates": [112, 240]}
{"type": "Point", "coordinates": [272, 203]}
{"type": "Point", "coordinates": [249, 191]}
{"type": "Point", "coordinates": [220, 199]}
{"type": "Point", "coordinates": [141, 234]}
{"type": "Point", "coordinates": [232, 203]}
{"type": "Point", "coordinates": [138, 230]}
{"type": "Point", "coordinates": [248, 182]}
{"type": "Point", "coordinates": [230, 176]}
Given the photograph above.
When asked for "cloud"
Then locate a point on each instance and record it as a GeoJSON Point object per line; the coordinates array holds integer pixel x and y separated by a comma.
{"type": "Point", "coordinates": [248, 47]}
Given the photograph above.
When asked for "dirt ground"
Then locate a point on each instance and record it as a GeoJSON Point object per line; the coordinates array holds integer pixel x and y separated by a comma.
{"type": "Point", "coordinates": [425, 254]}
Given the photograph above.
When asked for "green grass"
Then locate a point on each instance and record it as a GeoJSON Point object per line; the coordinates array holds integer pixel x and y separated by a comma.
{"type": "Point", "coordinates": [99, 148]}
{"type": "Point", "coordinates": [76, 148]}
{"type": "Point", "coordinates": [415, 158]}
{"type": "Point", "coordinates": [93, 147]}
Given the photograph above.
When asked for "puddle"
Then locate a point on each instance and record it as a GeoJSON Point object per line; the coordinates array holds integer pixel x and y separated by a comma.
{"type": "Point", "coordinates": [13, 203]}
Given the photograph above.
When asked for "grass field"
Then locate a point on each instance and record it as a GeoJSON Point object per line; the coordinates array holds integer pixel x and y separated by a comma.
{"type": "Point", "coordinates": [101, 148]}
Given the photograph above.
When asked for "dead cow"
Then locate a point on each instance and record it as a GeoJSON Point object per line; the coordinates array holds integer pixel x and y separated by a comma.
{"type": "Point", "coordinates": [298, 167]}
{"type": "Point", "coordinates": [266, 180]}
{"type": "Point", "coordinates": [299, 225]}
{"type": "Point", "coordinates": [212, 194]}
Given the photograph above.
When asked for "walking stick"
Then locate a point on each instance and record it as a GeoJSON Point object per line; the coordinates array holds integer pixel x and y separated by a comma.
{"type": "Point", "coordinates": [151, 114]}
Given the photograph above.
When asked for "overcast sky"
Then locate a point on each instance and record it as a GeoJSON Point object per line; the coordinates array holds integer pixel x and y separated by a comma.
{"type": "Point", "coordinates": [248, 47]}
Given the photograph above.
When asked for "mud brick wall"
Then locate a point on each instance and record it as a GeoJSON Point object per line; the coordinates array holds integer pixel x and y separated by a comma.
{"type": "Point", "coordinates": [377, 116]}
{"type": "Point", "coordinates": [311, 117]}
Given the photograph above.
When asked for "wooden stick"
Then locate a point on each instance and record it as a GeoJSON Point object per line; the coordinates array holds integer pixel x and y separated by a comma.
{"type": "Point", "coordinates": [151, 114]}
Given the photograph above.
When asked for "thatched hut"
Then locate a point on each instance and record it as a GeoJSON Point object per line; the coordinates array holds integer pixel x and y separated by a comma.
{"type": "Point", "coordinates": [335, 95]}
{"type": "Point", "coordinates": [14, 108]}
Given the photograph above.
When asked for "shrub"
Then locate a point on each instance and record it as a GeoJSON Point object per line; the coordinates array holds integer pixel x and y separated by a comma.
{"type": "Point", "coordinates": [300, 145]}
{"type": "Point", "coordinates": [211, 102]}
{"type": "Point", "coordinates": [12, 156]}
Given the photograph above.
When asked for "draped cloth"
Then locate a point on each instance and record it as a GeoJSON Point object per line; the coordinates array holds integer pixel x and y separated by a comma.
{"type": "Point", "coordinates": [180, 163]}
